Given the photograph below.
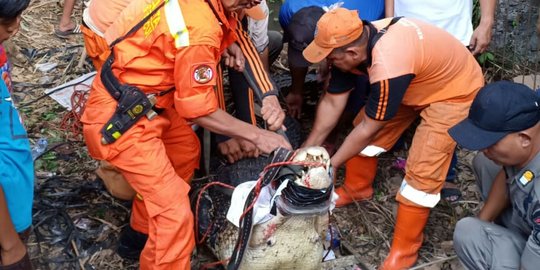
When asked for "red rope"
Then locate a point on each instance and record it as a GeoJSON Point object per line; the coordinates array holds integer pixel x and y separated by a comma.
{"type": "Point", "coordinates": [259, 181]}
{"type": "Point", "coordinates": [200, 241]}
{"type": "Point", "coordinates": [257, 191]}
{"type": "Point", "coordinates": [210, 265]}
{"type": "Point", "coordinates": [72, 119]}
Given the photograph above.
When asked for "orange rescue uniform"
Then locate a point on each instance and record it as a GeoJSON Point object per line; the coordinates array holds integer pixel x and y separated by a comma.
{"type": "Point", "coordinates": [97, 18]}
{"type": "Point", "coordinates": [440, 91]}
{"type": "Point", "coordinates": [157, 156]}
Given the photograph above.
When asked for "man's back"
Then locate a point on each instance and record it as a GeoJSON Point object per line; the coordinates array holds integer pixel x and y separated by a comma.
{"type": "Point", "coordinates": [103, 13]}
{"type": "Point", "coordinates": [443, 68]}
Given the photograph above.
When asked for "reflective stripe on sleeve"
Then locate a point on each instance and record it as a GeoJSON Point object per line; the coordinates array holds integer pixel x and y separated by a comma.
{"type": "Point", "coordinates": [176, 23]}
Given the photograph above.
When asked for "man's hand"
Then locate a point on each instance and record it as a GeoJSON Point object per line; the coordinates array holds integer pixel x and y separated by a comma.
{"type": "Point", "coordinates": [480, 39]}
{"type": "Point", "coordinates": [250, 150]}
{"type": "Point", "coordinates": [482, 34]}
{"type": "Point", "coordinates": [231, 149]}
{"type": "Point", "coordinates": [294, 104]}
{"type": "Point", "coordinates": [272, 113]}
{"type": "Point", "coordinates": [268, 141]}
{"type": "Point", "coordinates": [236, 149]}
{"type": "Point", "coordinates": [234, 58]}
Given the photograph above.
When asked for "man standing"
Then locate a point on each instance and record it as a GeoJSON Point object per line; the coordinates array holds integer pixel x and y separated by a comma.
{"type": "Point", "coordinates": [167, 51]}
{"type": "Point", "coordinates": [504, 124]}
{"type": "Point", "coordinates": [409, 77]}
{"type": "Point", "coordinates": [452, 16]}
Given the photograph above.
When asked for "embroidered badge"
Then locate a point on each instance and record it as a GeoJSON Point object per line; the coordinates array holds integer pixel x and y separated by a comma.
{"type": "Point", "coordinates": [526, 177]}
{"type": "Point", "coordinates": [203, 74]}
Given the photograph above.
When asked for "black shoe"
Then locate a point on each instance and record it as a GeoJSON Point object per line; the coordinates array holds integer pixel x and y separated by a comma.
{"type": "Point", "coordinates": [131, 243]}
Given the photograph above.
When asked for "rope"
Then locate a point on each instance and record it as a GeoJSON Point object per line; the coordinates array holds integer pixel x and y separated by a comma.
{"type": "Point", "coordinates": [72, 119]}
{"type": "Point", "coordinates": [247, 210]}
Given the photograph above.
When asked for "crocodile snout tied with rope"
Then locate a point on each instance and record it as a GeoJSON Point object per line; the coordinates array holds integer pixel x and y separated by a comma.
{"type": "Point", "coordinates": [276, 222]}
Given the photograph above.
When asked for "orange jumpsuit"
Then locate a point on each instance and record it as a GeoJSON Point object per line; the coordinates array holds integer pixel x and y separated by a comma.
{"type": "Point", "coordinates": [156, 156]}
{"type": "Point", "coordinates": [416, 80]}
{"type": "Point", "coordinates": [97, 18]}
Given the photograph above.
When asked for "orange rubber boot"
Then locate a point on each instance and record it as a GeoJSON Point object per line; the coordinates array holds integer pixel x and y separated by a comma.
{"type": "Point", "coordinates": [359, 175]}
{"type": "Point", "coordinates": [408, 237]}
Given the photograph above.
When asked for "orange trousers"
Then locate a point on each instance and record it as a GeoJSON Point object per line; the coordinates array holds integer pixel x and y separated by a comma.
{"type": "Point", "coordinates": [155, 157]}
{"type": "Point", "coordinates": [431, 150]}
{"type": "Point", "coordinates": [98, 51]}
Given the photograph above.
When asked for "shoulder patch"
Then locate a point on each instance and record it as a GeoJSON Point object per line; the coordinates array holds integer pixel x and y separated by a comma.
{"type": "Point", "coordinates": [203, 74]}
{"type": "Point", "coordinates": [526, 177]}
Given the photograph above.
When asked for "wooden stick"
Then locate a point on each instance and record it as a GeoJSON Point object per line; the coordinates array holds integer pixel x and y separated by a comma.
{"type": "Point", "coordinates": [433, 262]}
{"type": "Point", "coordinates": [77, 253]}
{"type": "Point", "coordinates": [82, 58]}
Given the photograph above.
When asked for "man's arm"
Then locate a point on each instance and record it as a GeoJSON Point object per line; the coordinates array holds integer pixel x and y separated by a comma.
{"type": "Point", "coordinates": [194, 98]}
{"type": "Point", "coordinates": [482, 34]}
{"type": "Point", "coordinates": [497, 199]}
{"type": "Point", "coordinates": [295, 96]}
{"type": "Point", "coordinates": [223, 123]}
{"type": "Point", "coordinates": [382, 105]}
{"type": "Point", "coordinates": [357, 140]}
{"type": "Point", "coordinates": [271, 110]}
{"type": "Point", "coordinates": [389, 8]}
{"type": "Point", "coordinates": [328, 112]}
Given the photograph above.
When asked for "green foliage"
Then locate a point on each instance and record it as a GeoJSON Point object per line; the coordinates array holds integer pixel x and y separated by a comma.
{"type": "Point", "coordinates": [47, 162]}
{"type": "Point", "coordinates": [485, 57]}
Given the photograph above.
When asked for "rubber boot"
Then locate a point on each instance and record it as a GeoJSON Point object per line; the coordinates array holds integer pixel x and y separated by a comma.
{"type": "Point", "coordinates": [131, 243]}
{"type": "Point", "coordinates": [22, 264]}
{"type": "Point", "coordinates": [359, 175]}
{"type": "Point", "coordinates": [408, 237]}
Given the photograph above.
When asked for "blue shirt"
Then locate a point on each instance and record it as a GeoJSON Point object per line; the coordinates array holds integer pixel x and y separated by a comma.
{"type": "Point", "coordinates": [369, 10]}
{"type": "Point", "coordinates": [16, 164]}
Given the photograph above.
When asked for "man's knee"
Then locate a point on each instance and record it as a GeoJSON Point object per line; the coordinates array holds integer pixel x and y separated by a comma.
{"type": "Point", "coordinates": [469, 243]}
{"type": "Point", "coordinates": [464, 229]}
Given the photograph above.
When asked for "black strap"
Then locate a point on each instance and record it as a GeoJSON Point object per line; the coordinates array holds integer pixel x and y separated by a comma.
{"type": "Point", "coordinates": [213, 8]}
{"type": "Point", "coordinates": [108, 79]}
{"type": "Point", "coordinates": [246, 223]}
{"type": "Point", "coordinates": [378, 34]}
{"type": "Point", "coordinates": [138, 25]}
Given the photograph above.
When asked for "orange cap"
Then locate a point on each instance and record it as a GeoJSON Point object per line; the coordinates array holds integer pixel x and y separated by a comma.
{"type": "Point", "coordinates": [256, 13]}
{"type": "Point", "coordinates": [336, 28]}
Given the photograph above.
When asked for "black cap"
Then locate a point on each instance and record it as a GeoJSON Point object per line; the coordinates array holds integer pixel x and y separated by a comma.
{"type": "Point", "coordinates": [500, 108]}
{"type": "Point", "coordinates": [300, 32]}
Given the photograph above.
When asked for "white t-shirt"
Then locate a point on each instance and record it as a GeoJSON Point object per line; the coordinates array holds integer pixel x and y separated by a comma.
{"type": "Point", "coordinates": [258, 30]}
{"type": "Point", "coordinates": [454, 16]}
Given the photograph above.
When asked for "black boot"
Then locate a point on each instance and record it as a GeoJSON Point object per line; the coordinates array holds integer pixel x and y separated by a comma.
{"type": "Point", "coordinates": [23, 264]}
{"type": "Point", "coordinates": [131, 243]}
